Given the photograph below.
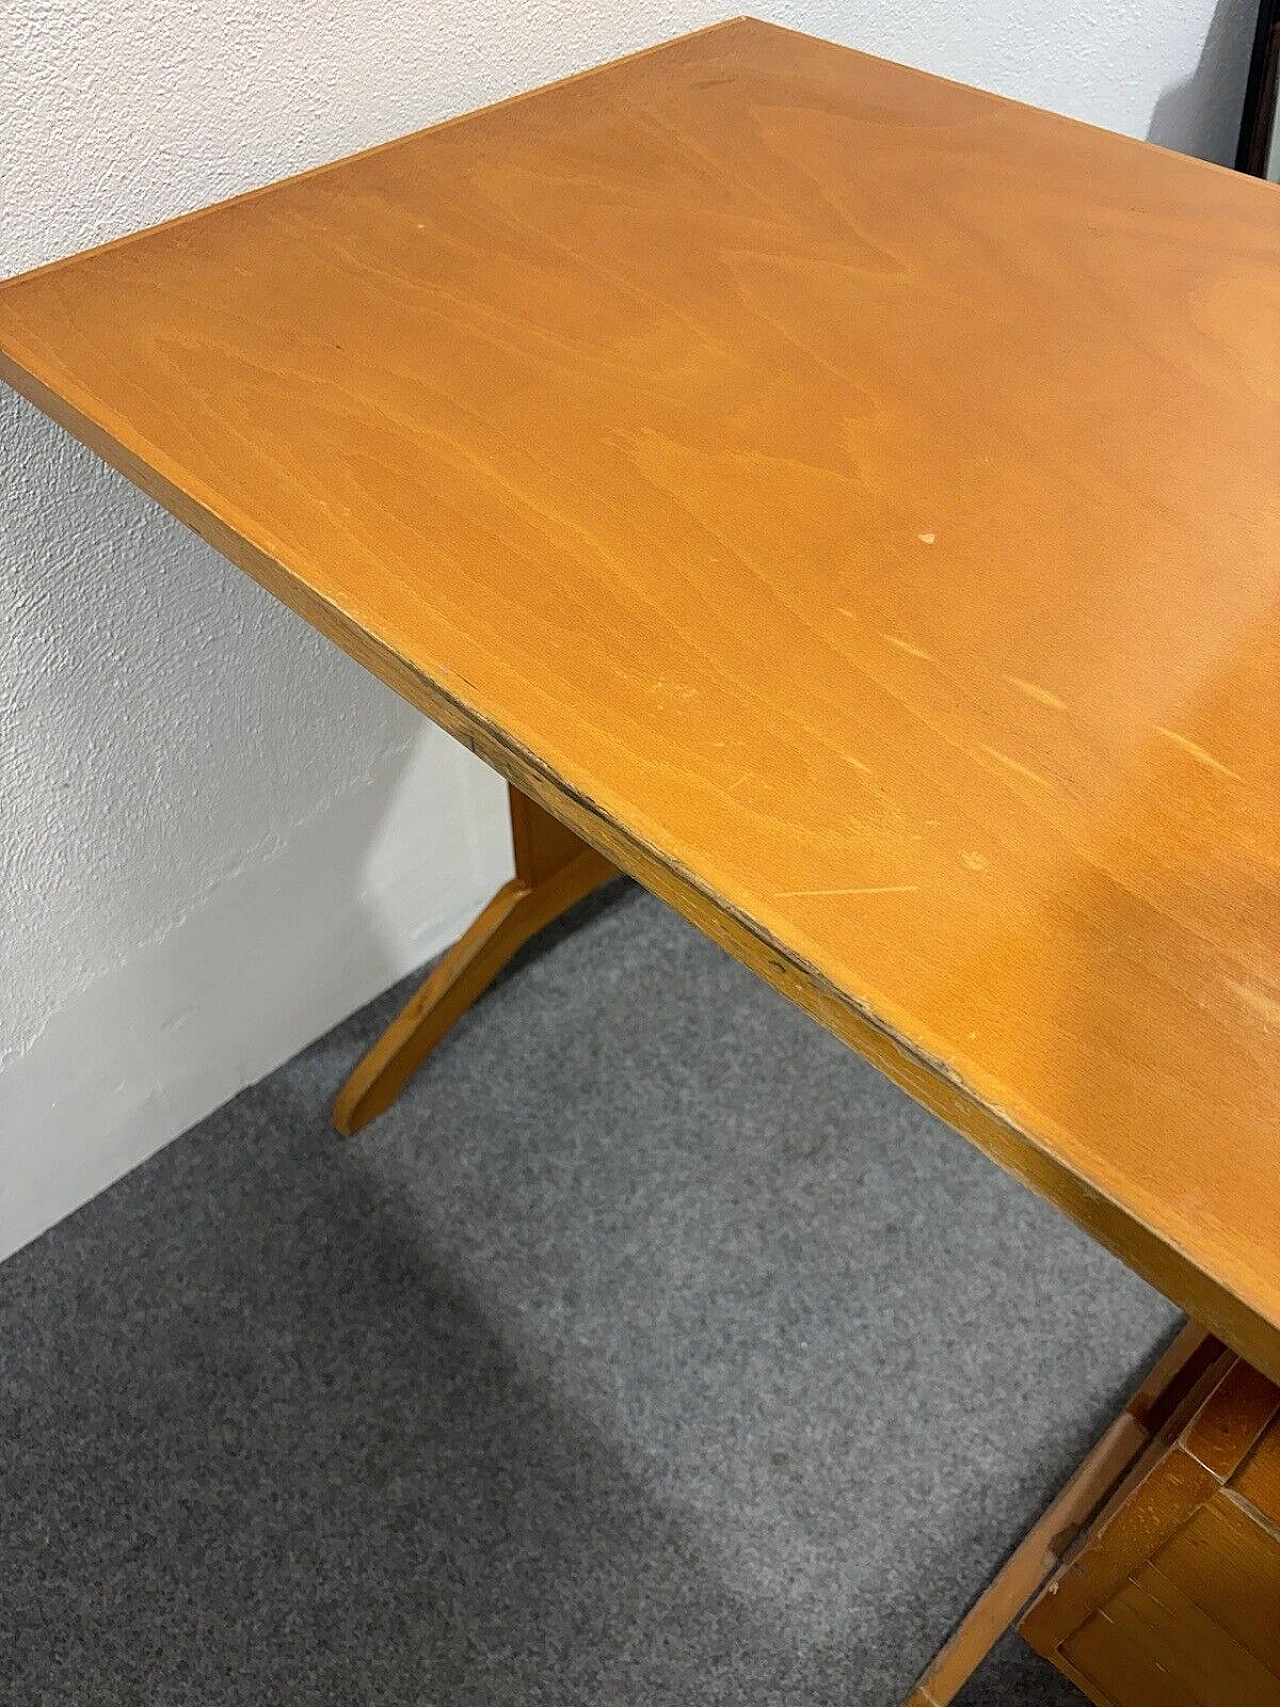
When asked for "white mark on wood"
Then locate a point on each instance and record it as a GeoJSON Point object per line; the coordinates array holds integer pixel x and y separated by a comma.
{"type": "Point", "coordinates": [1014, 765]}
{"type": "Point", "coordinates": [1258, 1000]}
{"type": "Point", "coordinates": [1034, 691]}
{"type": "Point", "coordinates": [908, 648]}
{"type": "Point", "coordinates": [877, 889]}
{"type": "Point", "coordinates": [1197, 752]}
{"type": "Point", "coordinates": [681, 690]}
{"type": "Point", "coordinates": [926, 538]}
{"type": "Point", "coordinates": [974, 861]}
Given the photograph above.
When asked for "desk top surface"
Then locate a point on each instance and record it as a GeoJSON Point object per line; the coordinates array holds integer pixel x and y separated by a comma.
{"type": "Point", "coordinates": [849, 499]}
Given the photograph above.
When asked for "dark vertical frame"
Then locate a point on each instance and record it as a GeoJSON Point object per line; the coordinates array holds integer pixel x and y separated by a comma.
{"type": "Point", "coordinates": [1260, 92]}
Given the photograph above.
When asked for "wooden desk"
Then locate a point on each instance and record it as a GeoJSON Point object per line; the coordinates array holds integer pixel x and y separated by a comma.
{"type": "Point", "coordinates": [851, 504]}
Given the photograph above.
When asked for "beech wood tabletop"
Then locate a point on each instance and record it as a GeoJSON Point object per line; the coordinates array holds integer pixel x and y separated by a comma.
{"type": "Point", "coordinates": [850, 501]}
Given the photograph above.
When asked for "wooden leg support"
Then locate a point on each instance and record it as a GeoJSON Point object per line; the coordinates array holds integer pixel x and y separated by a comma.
{"type": "Point", "coordinates": [554, 868]}
{"type": "Point", "coordinates": [1037, 1556]}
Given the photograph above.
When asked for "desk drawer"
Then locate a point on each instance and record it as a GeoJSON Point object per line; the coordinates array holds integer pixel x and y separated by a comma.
{"type": "Point", "coordinates": [1172, 1598]}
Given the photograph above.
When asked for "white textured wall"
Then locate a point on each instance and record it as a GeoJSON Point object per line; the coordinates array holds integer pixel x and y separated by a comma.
{"type": "Point", "coordinates": [216, 835]}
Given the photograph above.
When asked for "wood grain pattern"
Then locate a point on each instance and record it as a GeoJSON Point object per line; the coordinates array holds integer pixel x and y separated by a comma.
{"type": "Point", "coordinates": [1135, 1677]}
{"type": "Point", "coordinates": [1173, 1594]}
{"type": "Point", "coordinates": [1258, 1479]}
{"type": "Point", "coordinates": [1224, 1433]}
{"type": "Point", "coordinates": [1126, 1535]}
{"type": "Point", "coordinates": [1189, 1656]}
{"type": "Point", "coordinates": [850, 502]}
{"type": "Point", "coordinates": [1229, 1565]}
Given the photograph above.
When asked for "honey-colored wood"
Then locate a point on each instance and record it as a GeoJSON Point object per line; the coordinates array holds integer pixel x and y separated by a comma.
{"type": "Point", "coordinates": [1187, 1653]}
{"type": "Point", "coordinates": [1225, 1432]}
{"type": "Point", "coordinates": [1178, 1382]}
{"type": "Point", "coordinates": [554, 869]}
{"type": "Point", "coordinates": [1100, 1473]}
{"type": "Point", "coordinates": [849, 502]}
{"type": "Point", "coordinates": [1134, 1675]}
{"type": "Point", "coordinates": [1229, 1564]}
{"type": "Point", "coordinates": [1173, 1594]}
{"type": "Point", "coordinates": [542, 845]}
{"type": "Point", "coordinates": [1258, 1478]}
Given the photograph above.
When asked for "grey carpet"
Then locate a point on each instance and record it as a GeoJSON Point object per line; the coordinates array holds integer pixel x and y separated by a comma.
{"type": "Point", "coordinates": [652, 1350]}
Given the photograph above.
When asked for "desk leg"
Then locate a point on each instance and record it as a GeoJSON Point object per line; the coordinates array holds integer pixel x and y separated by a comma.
{"type": "Point", "coordinates": [1174, 1381]}
{"type": "Point", "coordinates": [554, 868]}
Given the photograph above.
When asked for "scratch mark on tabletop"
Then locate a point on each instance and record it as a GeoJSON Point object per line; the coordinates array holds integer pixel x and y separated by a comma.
{"type": "Point", "coordinates": [1035, 691]}
{"type": "Point", "coordinates": [1197, 752]}
{"type": "Point", "coordinates": [1013, 765]}
{"type": "Point", "coordinates": [907, 647]}
{"type": "Point", "coordinates": [874, 889]}
{"type": "Point", "coordinates": [1258, 1000]}
{"type": "Point", "coordinates": [974, 861]}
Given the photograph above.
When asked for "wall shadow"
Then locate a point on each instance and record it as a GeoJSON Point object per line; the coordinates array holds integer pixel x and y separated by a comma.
{"type": "Point", "coordinates": [1201, 113]}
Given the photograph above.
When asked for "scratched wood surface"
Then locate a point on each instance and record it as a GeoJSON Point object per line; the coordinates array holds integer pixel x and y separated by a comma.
{"type": "Point", "coordinates": [850, 501]}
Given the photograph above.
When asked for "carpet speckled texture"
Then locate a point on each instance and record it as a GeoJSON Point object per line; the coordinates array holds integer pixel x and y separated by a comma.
{"type": "Point", "coordinates": [653, 1350]}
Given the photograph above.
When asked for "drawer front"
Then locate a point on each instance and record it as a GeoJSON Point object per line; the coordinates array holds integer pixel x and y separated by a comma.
{"type": "Point", "coordinates": [1173, 1597]}
{"type": "Point", "coordinates": [1258, 1478]}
